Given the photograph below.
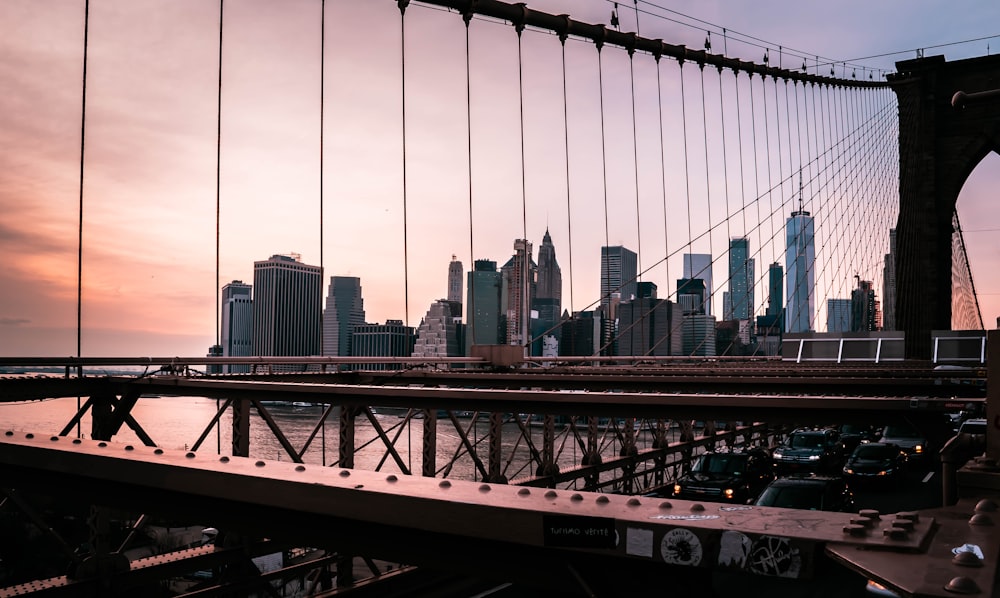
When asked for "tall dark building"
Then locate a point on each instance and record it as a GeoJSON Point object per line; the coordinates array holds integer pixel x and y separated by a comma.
{"type": "Point", "coordinates": [775, 289]}
{"type": "Point", "coordinates": [484, 322]}
{"type": "Point", "coordinates": [619, 272]}
{"type": "Point", "coordinates": [345, 309]}
{"type": "Point", "coordinates": [581, 334]}
{"type": "Point", "coordinates": [455, 283]}
{"type": "Point", "coordinates": [889, 285]}
{"type": "Point", "coordinates": [863, 307]}
{"type": "Point", "coordinates": [740, 303]}
{"type": "Point", "coordinates": [548, 296]}
{"type": "Point", "coordinates": [648, 326]}
{"type": "Point", "coordinates": [286, 307]}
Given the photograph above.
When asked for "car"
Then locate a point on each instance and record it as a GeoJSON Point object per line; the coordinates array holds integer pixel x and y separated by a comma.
{"type": "Point", "coordinates": [812, 450]}
{"type": "Point", "coordinates": [909, 439]}
{"type": "Point", "coordinates": [974, 431]}
{"type": "Point", "coordinates": [875, 461]}
{"type": "Point", "coordinates": [734, 476]}
{"type": "Point", "coordinates": [812, 492]}
{"type": "Point", "coordinates": [851, 435]}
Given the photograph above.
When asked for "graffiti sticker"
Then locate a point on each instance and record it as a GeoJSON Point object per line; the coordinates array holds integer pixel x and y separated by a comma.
{"type": "Point", "coordinates": [681, 547]}
{"type": "Point", "coordinates": [771, 555]}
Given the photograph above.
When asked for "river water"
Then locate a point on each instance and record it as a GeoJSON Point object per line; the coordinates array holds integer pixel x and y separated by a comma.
{"type": "Point", "coordinates": [176, 422]}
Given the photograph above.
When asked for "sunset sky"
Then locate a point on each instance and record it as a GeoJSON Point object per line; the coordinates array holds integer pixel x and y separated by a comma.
{"type": "Point", "coordinates": [149, 192]}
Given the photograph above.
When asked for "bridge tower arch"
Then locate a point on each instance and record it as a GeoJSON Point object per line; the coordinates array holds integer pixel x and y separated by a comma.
{"type": "Point", "coordinates": [949, 120]}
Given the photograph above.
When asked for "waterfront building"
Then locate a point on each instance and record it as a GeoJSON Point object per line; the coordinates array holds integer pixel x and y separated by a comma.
{"type": "Point", "coordinates": [699, 266]}
{"type": "Point", "coordinates": [392, 339]}
{"type": "Point", "coordinates": [483, 322]}
{"type": "Point", "coordinates": [838, 315]}
{"type": "Point", "coordinates": [619, 272]}
{"type": "Point", "coordinates": [800, 262]}
{"type": "Point", "coordinates": [439, 332]}
{"type": "Point", "coordinates": [518, 278]}
{"type": "Point", "coordinates": [455, 283]}
{"type": "Point", "coordinates": [889, 285]}
{"type": "Point", "coordinates": [286, 307]}
{"type": "Point", "coordinates": [345, 309]}
{"type": "Point", "coordinates": [740, 303]}
{"type": "Point", "coordinates": [237, 324]}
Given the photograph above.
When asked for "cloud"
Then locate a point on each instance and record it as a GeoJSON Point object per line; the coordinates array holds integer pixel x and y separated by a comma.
{"type": "Point", "coordinates": [5, 321]}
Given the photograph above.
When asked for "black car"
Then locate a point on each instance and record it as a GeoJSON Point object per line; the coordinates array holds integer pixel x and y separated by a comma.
{"type": "Point", "coordinates": [876, 462]}
{"type": "Point", "coordinates": [810, 450]}
{"type": "Point", "coordinates": [813, 492]}
{"type": "Point", "coordinates": [735, 476]}
{"type": "Point", "coordinates": [851, 435]}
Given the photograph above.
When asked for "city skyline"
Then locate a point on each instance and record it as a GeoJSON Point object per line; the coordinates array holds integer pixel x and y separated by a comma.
{"type": "Point", "coordinates": [148, 281]}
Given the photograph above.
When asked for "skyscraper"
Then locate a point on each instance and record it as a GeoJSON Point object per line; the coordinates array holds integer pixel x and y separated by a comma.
{"type": "Point", "coordinates": [345, 309]}
{"type": "Point", "coordinates": [518, 290]}
{"type": "Point", "coordinates": [863, 307]}
{"type": "Point", "coordinates": [838, 315]}
{"type": "Point", "coordinates": [286, 307]}
{"type": "Point", "coordinates": [889, 285]}
{"type": "Point", "coordinates": [775, 286]}
{"type": "Point", "coordinates": [439, 332]}
{"type": "Point", "coordinates": [800, 261]}
{"type": "Point", "coordinates": [619, 271]}
{"type": "Point", "coordinates": [455, 283]}
{"type": "Point", "coordinates": [547, 304]}
{"type": "Point", "coordinates": [237, 324]}
{"type": "Point", "coordinates": [741, 279]}
{"type": "Point", "coordinates": [699, 265]}
{"type": "Point", "coordinates": [483, 320]}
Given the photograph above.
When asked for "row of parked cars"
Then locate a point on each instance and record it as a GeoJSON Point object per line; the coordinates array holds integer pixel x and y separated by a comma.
{"type": "Point", "coordinates": [811, 469]}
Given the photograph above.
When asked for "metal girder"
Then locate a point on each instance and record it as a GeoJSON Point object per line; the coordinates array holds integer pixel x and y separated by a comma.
{"type": "Point", "coordinates": [736, 406]}
{"type": "Point", "coordinates": [533, 536]}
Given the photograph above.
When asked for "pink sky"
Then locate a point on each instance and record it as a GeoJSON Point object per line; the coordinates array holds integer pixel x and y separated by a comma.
{"type": "Point", "coordinates": [149, 280]}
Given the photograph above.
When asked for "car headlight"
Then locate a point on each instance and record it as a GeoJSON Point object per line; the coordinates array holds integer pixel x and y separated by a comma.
{"type": "Point", "coordinates": [814, 457]}
{"type": "Point", "coordinates": [677, 488]}
{"type": "Point", "coordinates": [883, 472]}
{"type": "Point", "coordinates": [918, 449]}
{"type": "Point", "coordinates": [848, 470]}
{"type": "Point", "coordinates": [778, 454]}
{"type": "Point", "coordinates": [728, 492]}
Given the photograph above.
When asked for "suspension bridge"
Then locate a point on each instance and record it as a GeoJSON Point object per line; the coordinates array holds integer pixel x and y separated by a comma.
{"type": "Point", "coordinates": [833, 173]}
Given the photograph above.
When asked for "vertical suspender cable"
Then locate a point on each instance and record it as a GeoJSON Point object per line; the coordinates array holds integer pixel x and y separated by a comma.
{"type": "Point", "coordinates": [663, 171]}
{"type": "Point", "coordinates": [708, 192]}
{"type": "Point", "coordinates": [470, 314]}
{"type": "Point", "coordinates": [725, 180]}
{"type": "Point", "coordinates": [687, 176]}
{"type": "Point", "coordinates": [218, 210]}
{"type": "Point", "coordinates": [569, 211]}
{"type": "Point", "coordinates": [606, 256]}
{"type": "Point", "coordinates": [406, 257]}
{"type": "Point", "coordinates": [322, 106]}
{"type": "Point", "coordinates": [525, 313]}
{"type": "Point", "coordinates": [635, 162]}
{"type": "Point", "coordinates": [79, 242]}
